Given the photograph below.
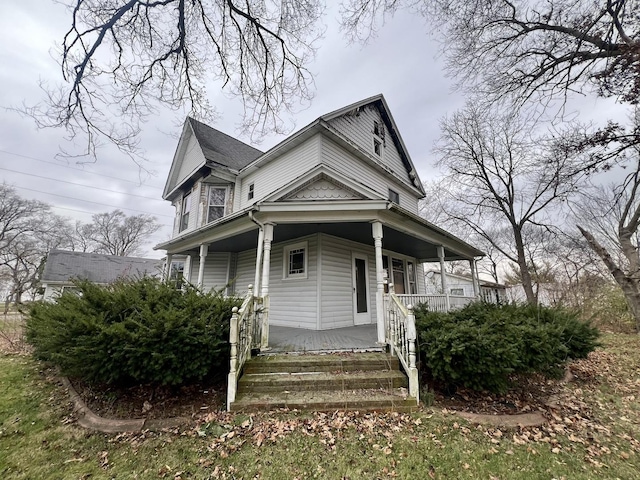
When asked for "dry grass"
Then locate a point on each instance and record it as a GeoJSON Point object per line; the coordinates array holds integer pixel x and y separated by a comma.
{"type": "Point", "coordinates": [12, 333]}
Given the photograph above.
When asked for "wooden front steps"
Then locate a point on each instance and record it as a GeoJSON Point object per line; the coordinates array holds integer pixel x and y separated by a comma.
{"type": "Point", "coordinates": [324, 382]}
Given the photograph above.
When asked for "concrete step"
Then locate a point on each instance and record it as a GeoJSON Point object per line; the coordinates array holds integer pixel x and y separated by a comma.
{"type": "Point", "coordinates": [365, 400]}
{"type": "Point", "coordinates": [343, 362]}
{"type": "Point", "coordinates": [322, 381]}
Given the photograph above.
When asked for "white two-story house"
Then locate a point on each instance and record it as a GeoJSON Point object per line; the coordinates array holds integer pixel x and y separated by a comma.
{"type": "Point", "coordinates": [323, 225]}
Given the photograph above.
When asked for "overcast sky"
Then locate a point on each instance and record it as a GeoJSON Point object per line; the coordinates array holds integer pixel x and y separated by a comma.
{"type": "Point", "coordinates": [402, 63]}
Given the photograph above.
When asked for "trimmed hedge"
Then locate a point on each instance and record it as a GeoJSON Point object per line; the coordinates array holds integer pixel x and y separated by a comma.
{"type": "Point", "coordinates": [134, 331]}
{"type": "Point", "coordinates": [482, 345]}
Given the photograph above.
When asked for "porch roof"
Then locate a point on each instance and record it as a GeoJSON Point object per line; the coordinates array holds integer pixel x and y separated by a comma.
{"type": "Point", "coordinates": [403, 232]}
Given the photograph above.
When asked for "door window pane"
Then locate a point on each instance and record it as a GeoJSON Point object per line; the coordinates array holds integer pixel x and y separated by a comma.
{"type": "Point", "coordinates": [361, 286]}
{"type": "Point", "coordinates": [397, 267]}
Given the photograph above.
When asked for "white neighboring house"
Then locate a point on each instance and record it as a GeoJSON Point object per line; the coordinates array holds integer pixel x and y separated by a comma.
{"type": "Point", "coordinates": [462, 285]}
{"type": "Point", "coordinates": [322, 224]}
{"type": "Point", "coordinates": [62, 267]}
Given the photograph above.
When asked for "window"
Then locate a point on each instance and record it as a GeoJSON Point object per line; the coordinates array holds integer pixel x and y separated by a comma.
{"type": "Point", "coordinates": [376, 129]}
{"type": "Point", "coordinates": [377, 147]}
{"type": "Point", "coordinates": [457, 291]}
{"type": "Point", "coordinates": [411, 276]}
{"type": "Point", "coordinates": [217, 197]}
{"type": "Point", "coordinates": [250, 194]}
{"type": "Point", "coordinates": [176, 274]}
{"type": "Point", "coordinates": [295, 261]}
{"type": "Point", "coordinates": [184, 212]}
{"type": "Point", "coordinates": [394, 196]}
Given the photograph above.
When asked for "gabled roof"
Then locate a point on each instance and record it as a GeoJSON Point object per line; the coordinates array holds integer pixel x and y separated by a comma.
{"type": "Point", "coordinates": [217, 149]}
{"type": "Point", "coordinates": [220, 148]}
{"type": "Point", "coordinates": [64, 266]}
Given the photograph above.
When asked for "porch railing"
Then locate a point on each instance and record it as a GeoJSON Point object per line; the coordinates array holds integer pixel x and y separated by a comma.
{"type": "Point", "coordinates": [401, 337]}
{"type": "Point", "coordinates": [244, 335]}
{"type": "Point", "coordinates": [436, 302]}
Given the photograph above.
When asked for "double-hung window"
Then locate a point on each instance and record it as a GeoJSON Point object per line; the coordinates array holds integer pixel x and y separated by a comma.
{"type": "Point", "coordinates": [217, 200]}
{"type": "Point", "coordinates": [184, 212]}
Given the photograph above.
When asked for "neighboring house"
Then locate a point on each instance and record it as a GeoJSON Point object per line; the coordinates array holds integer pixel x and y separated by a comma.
{"type": "Point", "coordinates": [321, 224]}
{"type": "Point", "coordinates": [462, 285]}
{"type": "Point", "coordinates": [62, 267]}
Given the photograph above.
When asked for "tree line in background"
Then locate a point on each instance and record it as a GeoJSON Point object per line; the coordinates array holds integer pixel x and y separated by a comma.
{"type": "Point", "coordinates": [29, 230]}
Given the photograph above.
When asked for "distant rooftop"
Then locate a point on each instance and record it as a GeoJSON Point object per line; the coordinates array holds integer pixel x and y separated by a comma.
{"type": "Point", "coordinates": [63, 266]}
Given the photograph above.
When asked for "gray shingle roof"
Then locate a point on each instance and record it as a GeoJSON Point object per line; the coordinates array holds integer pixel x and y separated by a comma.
{"type": "Point", "coordinates": [63, 266]}
{"type": "Point", "coordinates": [223, 149]}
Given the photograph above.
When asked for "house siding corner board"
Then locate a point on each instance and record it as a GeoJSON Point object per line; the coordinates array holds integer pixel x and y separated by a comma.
{"type": "Point", "coordinates": [281, 171]}
{"type": "Point", "coordinates": [216, 268]}
{"type": "Point", "coordinates": [347, 164]}
{"type": "Point", "coordinates": [359, 128]}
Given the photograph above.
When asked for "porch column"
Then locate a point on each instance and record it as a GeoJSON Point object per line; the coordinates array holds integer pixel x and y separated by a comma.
{"type": "Point", "coordinates": [377, 242]}
{"type": "Point", "coordinates": [166, 275]}
{"type": "Point", "coordinates": [474, 277]}
{"type": "Point", "coordinates": [256, 281]}
{"type": "Point", "coordinates": [266, 270]}
{"type": "Point", "coordinates": [204, 249]}
{"type": "Point", "coordinates": [443, 279]}
{"type": "Point", "coordinates": [188, 266]}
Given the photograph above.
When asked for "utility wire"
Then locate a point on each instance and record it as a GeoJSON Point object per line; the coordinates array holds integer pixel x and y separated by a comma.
{"type": "Point", "coordinates": [78, 169]}
{"type": "Point", "coordinates": [96, 203]}
{"type": "Point", "coordinates": [82, 185]}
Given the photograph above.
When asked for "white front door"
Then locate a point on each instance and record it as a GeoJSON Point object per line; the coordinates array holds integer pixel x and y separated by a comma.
{"type": "Point", "coordinates": [361, 307]}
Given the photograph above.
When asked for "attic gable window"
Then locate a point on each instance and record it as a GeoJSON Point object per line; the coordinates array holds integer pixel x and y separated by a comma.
{"type": "Point", "coordinates": [217, 201]}
{"type": "Point", "coordinates": [394, 196]}
{"type": "Point", "coordinates": [251, 192]}
{"type": "Point", "coordinates": [378, 139]}
{"type": "Point", "coordinates": [184, 212]}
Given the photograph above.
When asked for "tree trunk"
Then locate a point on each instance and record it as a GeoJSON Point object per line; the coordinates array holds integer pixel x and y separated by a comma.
{"type": "Point", "coordinates": [630, 285]}
{"type": "Point", "coordinates": [525, 275]}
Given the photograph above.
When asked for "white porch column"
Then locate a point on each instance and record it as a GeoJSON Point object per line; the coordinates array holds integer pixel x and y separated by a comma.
{"type": "Point", "coordinates": [474, 277]}
{"type": "Point", "coordinates": [377, 242]}
{"type": "Point", "coordinates": [204, 249]}
{"type": "Point", "coordinates": [256, 281]}
{"type": "Point", "coordinates": [266, 270]}
{"type": "Point", "coordinates": [443, 278]}
{"type": "Point", "coordinates": [188, 266]}
{"type": "Point", "coordinates": [166, 275]}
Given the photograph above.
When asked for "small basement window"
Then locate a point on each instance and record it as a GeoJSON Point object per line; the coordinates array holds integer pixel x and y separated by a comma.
{"type": "Point", "coordinates": [394, 196]}
{"type": "Point", "coordinates": [295, 261]}
{"type": "Point", "coordinates": [251, 190]}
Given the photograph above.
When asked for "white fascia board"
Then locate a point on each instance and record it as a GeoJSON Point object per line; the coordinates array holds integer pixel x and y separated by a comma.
{"type": "Point", "coordinates": [187, 132]}
{"type": "Point", "coordinates": [324, 206]}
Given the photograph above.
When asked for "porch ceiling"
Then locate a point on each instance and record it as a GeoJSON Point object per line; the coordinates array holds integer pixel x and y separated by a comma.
{"type": "Point", "coordinates": [359, 232]}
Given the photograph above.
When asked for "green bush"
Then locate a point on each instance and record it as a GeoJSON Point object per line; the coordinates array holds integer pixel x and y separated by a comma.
{"type": "Point", "coordinates": [141, 331]}
{"type": "Point", "coordinates": [482, 345]}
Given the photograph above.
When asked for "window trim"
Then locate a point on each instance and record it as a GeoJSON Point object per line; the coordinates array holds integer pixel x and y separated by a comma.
{"type": "Point", "coordinates": [224, 205]}
{"type": "Point", "coordinates": [286, 252]}
{"type": "Point", "coordinates": [251, 192]}
{"type": "Point", "coordinates": [394, 196]}
{"type": "Point", "coordinates": [185, 212]}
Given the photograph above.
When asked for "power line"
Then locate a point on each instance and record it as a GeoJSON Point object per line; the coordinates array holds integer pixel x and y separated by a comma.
{"type": "Point", "coordinates": [78, 169]}
{"type": "Point", "coordinates": [96, 203]}
{"type": "Point", "coordinates": [81, 185]}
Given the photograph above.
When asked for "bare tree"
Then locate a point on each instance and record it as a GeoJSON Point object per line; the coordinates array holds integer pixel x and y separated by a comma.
{"type": "Point", "coordinates": [114, 233]}
{"type": "Point", "coordinates": [120, 60]}
{"type": "Point", "coordinates": [503, 181]}
{"type": "Point", "coordinates": [609, 219]}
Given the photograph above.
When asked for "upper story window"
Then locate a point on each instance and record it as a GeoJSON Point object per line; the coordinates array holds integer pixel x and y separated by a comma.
{"type": "Point", "coordinates": [251, 192]}
{"type": "Point", "coordinates": [378, 139]}
{"type": "Point", "coordinates": [295, 260]}
{"type": "Point", "coordinates": [184, 212]}
{"type": "Point", "coordinates": [394, 196]}
{"type": "Point", "coordinates": [217, 202]}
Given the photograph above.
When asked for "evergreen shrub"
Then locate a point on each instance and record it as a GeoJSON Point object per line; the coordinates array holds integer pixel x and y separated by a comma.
{"type": "Point", "coordinates": [134, 331]}
{"type": "Point", "coordinates": [482, 345]}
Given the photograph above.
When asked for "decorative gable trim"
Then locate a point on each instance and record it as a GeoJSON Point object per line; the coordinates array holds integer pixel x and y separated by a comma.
{"type": "Point", "coordinates": [323, 180]}
{"type": "Point", "coordinates": [323, 187]}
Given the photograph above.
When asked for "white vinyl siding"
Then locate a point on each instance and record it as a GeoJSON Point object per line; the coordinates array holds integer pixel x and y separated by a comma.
{"type": "Point", "coordinates": [281, 171]}
{"type": "Point", "coordinates": [193, 158]}
{"type": "Point", "coordinates": [216, 268]}
{"type": "Point", "coordinates": [359, 128]}
{"type": "Point", "coordinates": [245, 272]}
{"type": "Point", "coordinates": [293, 303]}
{"type": "Point", "coordinates": [420, 281]}
{"type": "Point", "coordinates": [356, 169]}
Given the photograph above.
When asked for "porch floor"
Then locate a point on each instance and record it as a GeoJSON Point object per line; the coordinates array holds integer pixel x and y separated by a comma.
{"type": "Point", "coordinates": [286, 339]}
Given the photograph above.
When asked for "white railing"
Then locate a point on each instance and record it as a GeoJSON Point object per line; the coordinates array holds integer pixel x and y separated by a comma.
{"type": "Point", "coordinates": [244, 334]}
{"type": "Point", "coordinates": [401, 337]}
{"type": "Point", "coordinates": [436, 302]}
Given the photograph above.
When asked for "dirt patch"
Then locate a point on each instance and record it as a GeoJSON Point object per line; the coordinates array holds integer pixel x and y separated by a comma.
{"type": "Point", "coordinates": [148, 402]}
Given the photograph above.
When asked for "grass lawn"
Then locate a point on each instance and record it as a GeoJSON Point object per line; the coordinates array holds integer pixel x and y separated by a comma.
{"type": "Point", "coordinates": [594, 432]}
